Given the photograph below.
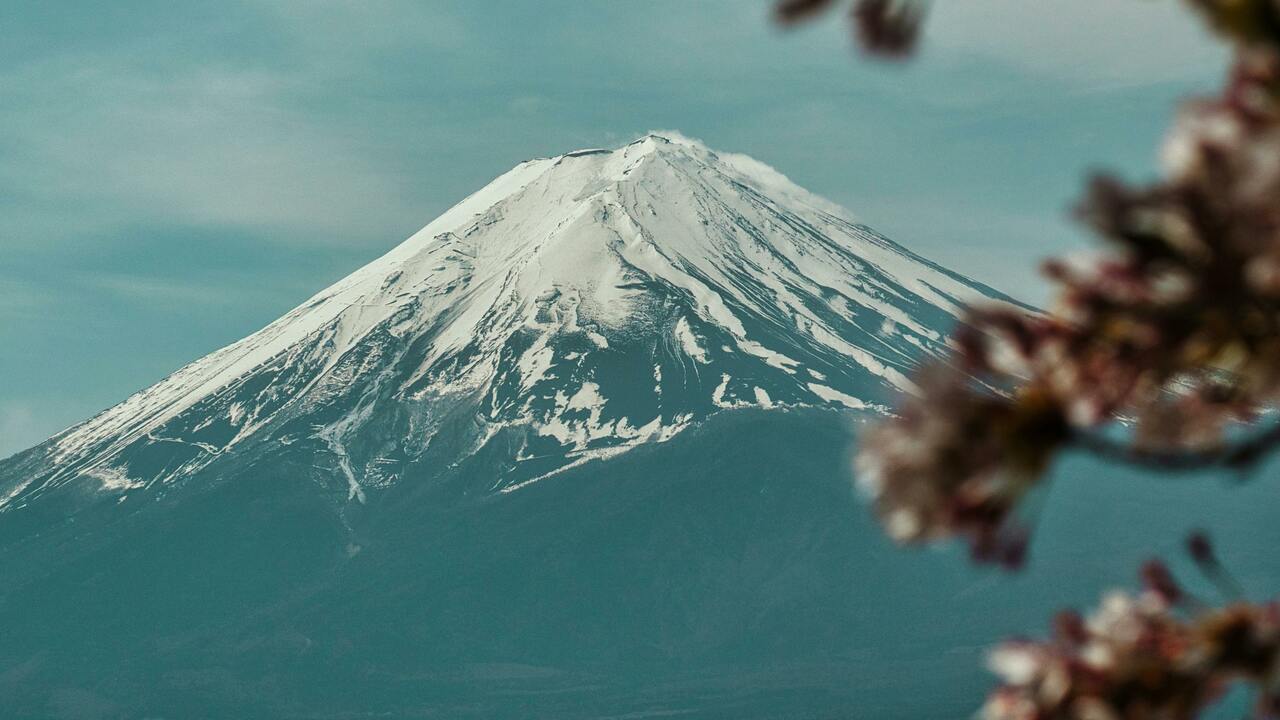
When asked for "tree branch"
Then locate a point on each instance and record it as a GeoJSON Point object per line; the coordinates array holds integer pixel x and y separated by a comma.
{"type": "Point", "coordinates": [1239, 455]}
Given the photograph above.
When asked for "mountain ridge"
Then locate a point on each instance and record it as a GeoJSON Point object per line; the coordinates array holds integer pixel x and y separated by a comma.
{"type": "Point", "coordinates": [577, 449]}
{"type": "Point", "coordinates": [527, 305]}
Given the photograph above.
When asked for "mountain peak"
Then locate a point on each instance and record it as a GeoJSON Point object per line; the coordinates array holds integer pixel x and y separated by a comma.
{"type": "Point", "coordinates": [575, 307]}
{"type": "Point", "coordinates": [669, 139]}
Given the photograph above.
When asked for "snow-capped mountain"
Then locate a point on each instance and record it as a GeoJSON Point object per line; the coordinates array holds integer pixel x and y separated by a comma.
{"type": "Point", "coordinates": [577, 449]}
{"type": "Point", "coordinates": [574, 308]}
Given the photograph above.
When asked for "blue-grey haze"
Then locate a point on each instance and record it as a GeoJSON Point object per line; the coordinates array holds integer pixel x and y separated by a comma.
{"type": "Point", "coordinates": [174, 175]}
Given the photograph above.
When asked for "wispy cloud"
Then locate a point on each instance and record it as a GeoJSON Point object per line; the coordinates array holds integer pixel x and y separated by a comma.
{"type": "Point", "coordinates": [216, 147]}
{"type": "Point", "coordinates": [1088, 43]}
{"type": "Point", "coordinates": [167, 290]}
{"type": "Point", "coordinates": [174, 174]}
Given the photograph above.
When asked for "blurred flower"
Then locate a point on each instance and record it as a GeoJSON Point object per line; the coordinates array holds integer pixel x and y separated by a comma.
{"type": "Point", "coordinates": [1137, 657]}
{"type": "Point", "coordinates": [956, 460]}
{"type": "Point", "coordinates": [791, 11]}
{"type": "Point", "coordinates": [1250, 21]}
{"type": "Point", "coordinates": [888, 28]}
{"type": "Point", "coordinates": [1172, 328]}
{"type": "Point", "coordinates": [1157, 579]}
{"type": "Point", "coordinates": [1200, 548]}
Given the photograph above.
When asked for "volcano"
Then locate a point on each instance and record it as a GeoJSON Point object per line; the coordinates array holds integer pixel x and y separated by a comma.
{"type": "Point", "coordinates": [578, 446]}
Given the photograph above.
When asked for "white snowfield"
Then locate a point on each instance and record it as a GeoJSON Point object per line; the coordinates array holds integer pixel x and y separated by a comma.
{"type": "Point", "coordinates": [599, 300]}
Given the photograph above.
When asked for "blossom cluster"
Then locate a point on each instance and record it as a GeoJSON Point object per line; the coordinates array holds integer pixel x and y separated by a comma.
{"type": "Point", "coordinates": [887, 28]}
{"type": "Point", "coordinates": [981, 452]}
{"type": "Point", "coordinates": [1173, 326]}
{"type": "Point", "coordinates": [1154, 655]}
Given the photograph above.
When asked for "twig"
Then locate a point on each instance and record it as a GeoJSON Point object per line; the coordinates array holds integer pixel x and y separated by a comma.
{"type": "Point", "coordinates": [1238, 455]}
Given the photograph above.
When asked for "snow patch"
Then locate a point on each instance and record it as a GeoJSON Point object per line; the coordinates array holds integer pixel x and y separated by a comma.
{"type": "Point", "coordinates": [689, 342]}
{"type": "Point", "coordinates": [113, 479]}
{"type": "Point", "coordinates": [762, 398]}
{"type": "Point", "coordinates": [833, 395]}
{"type": "Point", "coordinates": [594, 251]}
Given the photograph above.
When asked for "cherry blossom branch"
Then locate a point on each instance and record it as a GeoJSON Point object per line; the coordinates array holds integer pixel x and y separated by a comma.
{"type": "Point", "coordinates": [1243, 454]}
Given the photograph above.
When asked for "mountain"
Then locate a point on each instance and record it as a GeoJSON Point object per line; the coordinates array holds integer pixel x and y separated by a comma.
{"type": "Point", "coordinates": [589, 423]}
{"type": "Point", "coordinates": [576, 307]}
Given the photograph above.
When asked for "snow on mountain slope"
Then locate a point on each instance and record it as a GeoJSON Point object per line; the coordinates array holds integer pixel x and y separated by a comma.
{"type": "Point", "coordinates": [575, 307]}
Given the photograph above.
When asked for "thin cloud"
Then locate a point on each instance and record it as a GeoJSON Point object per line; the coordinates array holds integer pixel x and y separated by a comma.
{"type": "Point", "coordinates": [1083, 42]}
{"type": "Point", "coordinates": [207, 148]}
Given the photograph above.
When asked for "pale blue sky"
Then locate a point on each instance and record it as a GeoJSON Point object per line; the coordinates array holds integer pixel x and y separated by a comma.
{"type": "Point", "coordinates": [175, 175]}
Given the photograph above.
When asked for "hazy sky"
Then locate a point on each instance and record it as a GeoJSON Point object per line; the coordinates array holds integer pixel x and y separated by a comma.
{"type": "Point", "coordinates": [173, 176]}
